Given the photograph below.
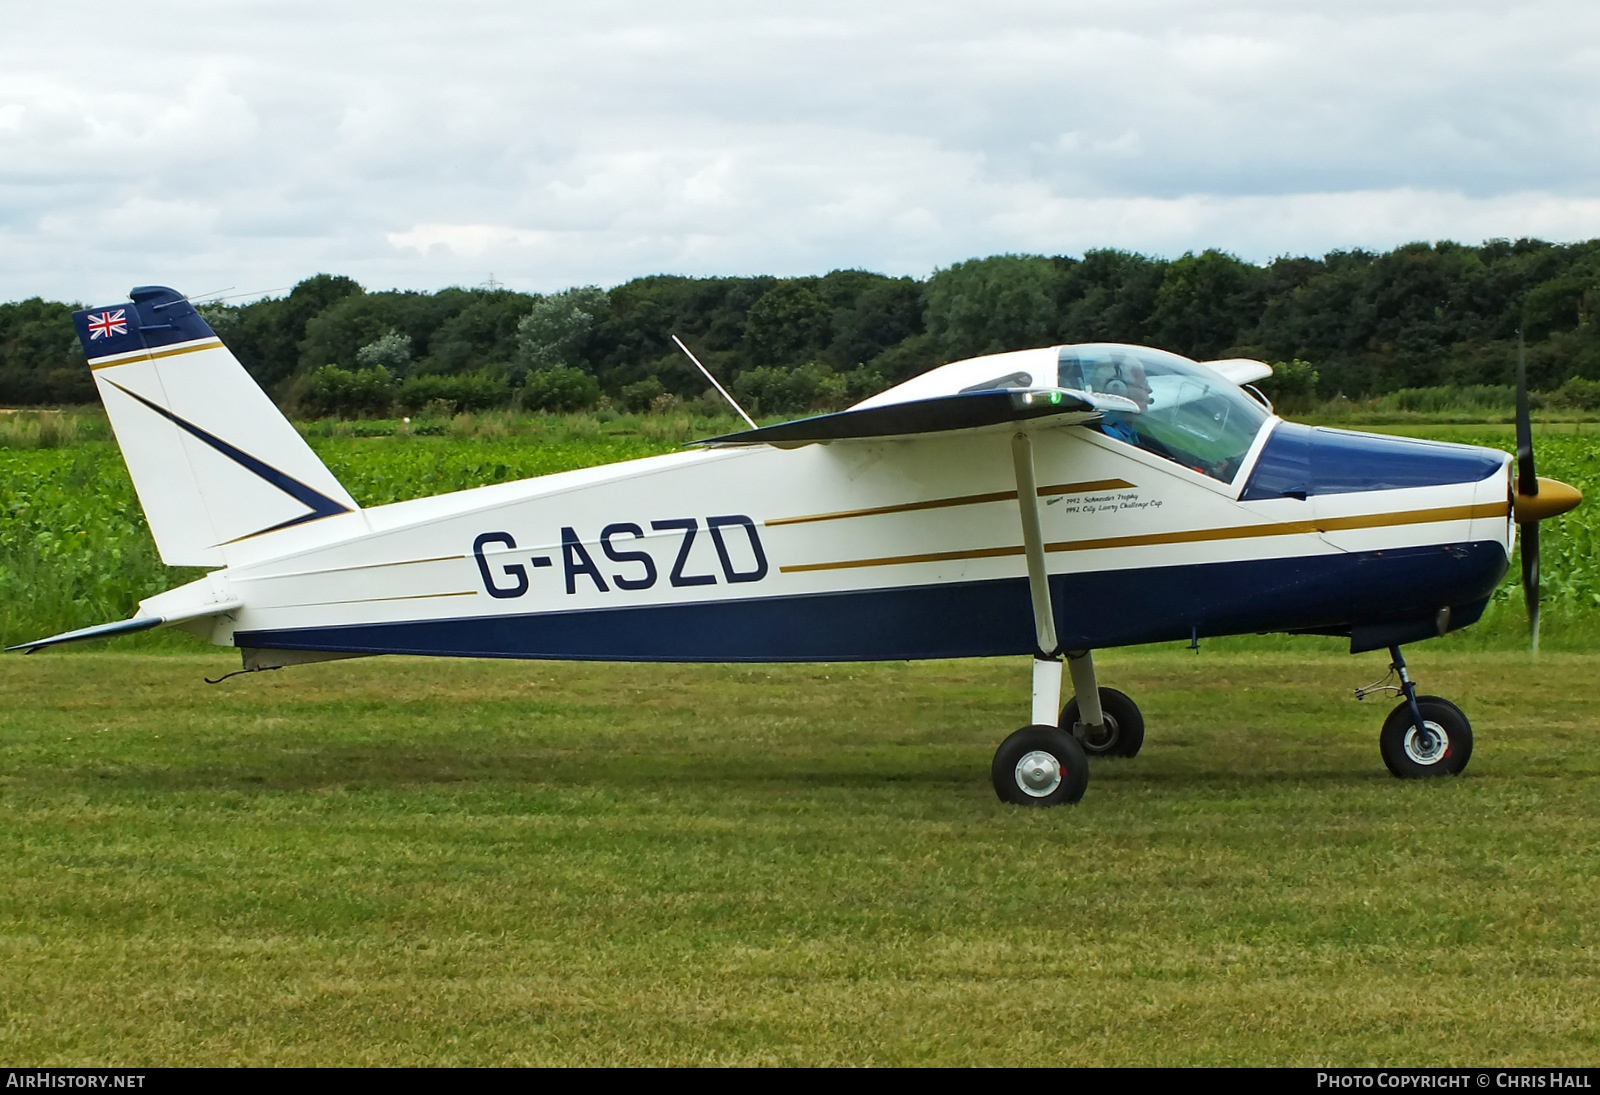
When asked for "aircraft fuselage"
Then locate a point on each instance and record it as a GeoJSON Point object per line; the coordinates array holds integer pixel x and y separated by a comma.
{"type": "Point", "coordinates": [885, 549]}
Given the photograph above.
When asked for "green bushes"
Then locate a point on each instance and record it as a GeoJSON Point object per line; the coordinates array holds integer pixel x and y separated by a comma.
{"type": "Point", "coordinates": [1577, 394]}
{"type": "Point", "coordinates": [348, 393]}
{"type": "Point", "coordinates": [560, 388]}
{"type": "Point", "coordinates": [1292, 387]}
{"type": "Point", "coordinates": [332, 391]}
{"type": "Point", "coordinates": [373, 392]}
{"type": "Point", "coordinates": [479, 391]}
{"type": "Point", "coordinates": [1451, 398]}
{"type": "Point", "coordinates": [640, 396]}
{"type": "Point", "coordinates": [770, 390]}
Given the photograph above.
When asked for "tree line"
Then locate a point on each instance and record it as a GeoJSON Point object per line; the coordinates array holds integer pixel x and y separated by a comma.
{"type": "Point", "coordinates": [1355, 323]}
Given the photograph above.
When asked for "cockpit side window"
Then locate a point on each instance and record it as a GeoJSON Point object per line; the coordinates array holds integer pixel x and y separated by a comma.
{"type": "Point", "coordinates": [1186, 413]}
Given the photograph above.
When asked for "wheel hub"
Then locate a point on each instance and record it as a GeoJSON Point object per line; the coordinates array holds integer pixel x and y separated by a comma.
{"type": "Point", "coordinates": [1097, 739]}
{"type": "Point", "coordinates": [1429, 745]}
{"type": "Point", "coordinates": [1038, 773]}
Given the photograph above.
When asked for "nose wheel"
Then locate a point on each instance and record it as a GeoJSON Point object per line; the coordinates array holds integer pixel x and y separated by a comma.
{"type": "Point", "coordinates": [1424, 736]}
{"type": "Point", "coordinates": [1440, 746]}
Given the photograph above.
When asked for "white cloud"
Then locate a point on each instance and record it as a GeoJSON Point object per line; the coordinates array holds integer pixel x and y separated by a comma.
{"type": "Point", "coordinates": [470, 240]}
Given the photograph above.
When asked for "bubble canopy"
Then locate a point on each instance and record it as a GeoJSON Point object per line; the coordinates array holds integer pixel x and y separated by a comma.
{"type": "Point", "coordinates": [1182, 410]}
{"type": "Point", "coordinates": [1187, 413]}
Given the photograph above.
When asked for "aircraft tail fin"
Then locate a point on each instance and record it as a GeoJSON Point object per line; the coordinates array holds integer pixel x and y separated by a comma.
{"type": "Point", "coordinates": [213, 461]}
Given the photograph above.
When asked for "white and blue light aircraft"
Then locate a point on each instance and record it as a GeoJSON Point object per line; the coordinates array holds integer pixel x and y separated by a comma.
{"type": "Point", "coordinates": [1049, 502]}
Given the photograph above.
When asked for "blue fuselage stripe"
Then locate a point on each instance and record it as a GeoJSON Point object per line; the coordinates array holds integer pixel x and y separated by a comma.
{"type": "Point", "coordinates": [958, 620]}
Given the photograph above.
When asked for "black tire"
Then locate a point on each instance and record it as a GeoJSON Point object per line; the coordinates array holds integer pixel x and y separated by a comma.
{"type": "Point", "coordinates": [1022, 770]}
{"type": "Point", "coordinates": [1123, 735]}
{"type": "Point", "coordinates": [1442, 750]}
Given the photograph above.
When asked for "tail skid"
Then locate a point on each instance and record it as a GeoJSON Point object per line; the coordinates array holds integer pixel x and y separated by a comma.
{"type": "Point", "coordinates": [213, 461]}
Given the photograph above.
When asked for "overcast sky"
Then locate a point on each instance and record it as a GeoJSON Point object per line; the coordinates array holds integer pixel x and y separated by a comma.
{"type": "Point", "coordinates": [419, 144]}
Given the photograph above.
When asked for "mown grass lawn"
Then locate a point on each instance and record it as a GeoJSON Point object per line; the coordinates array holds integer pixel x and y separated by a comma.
{"type": "Point", "coordinates": [401, 862]}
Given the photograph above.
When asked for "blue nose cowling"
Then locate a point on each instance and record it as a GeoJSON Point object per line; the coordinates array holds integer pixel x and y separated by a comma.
{"type": "Point", "coordinates": [1300, 461]}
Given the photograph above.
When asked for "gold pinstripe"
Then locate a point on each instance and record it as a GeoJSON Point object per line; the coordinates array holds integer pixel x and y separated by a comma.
{"type": "Point", "coordinates": [961, 500]}
{"type": "Point", "coordinates": [372, 600]}
{"type": "Point", "coordinates": [152, 355]}
{"type": "Point", "coordinates": [346, 570]}
{"type": "Point", "coordinates": [1191, 536]}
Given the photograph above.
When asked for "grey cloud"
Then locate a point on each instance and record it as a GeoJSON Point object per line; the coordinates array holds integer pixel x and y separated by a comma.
{"type": "Point", "coordinates": [420, 144]}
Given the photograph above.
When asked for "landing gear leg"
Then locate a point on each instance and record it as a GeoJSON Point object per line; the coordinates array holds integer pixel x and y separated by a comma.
{"type": "Point", "coordinates": [1397, 662]}
{"type": "Point", "coordinates": [1106, 722]}
{"type": "Point", "coordinates": [1084, 689]}
{"type": "Point", "coordinates": [1046, 690]}
{"type": "Point", "coordinates": [1041, 764]}
{"type": "Point", "coordinates": [1424, 736]}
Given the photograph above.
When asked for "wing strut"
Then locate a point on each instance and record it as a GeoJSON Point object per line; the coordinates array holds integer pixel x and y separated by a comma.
{"type": "Point", "coordinates": [1046, 660]}
{"type": "Point", "coordinates": [1044, 621]}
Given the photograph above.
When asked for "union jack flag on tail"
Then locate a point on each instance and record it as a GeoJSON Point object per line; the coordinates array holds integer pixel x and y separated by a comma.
{"type": "Point", "coordinates": [110, 323]}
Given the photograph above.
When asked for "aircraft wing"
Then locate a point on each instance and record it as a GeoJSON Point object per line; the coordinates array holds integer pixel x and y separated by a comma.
{"type": "Point", "coordinates": [962, 411]}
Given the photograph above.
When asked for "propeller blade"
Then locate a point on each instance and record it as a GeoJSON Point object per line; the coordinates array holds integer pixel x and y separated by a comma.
{"type": "Point", "coordinates": [1530, 577]}
{"type": "Point", "coordinates": [1527, 480]}
{"type": "Point", "coordinates": [1527, 487]}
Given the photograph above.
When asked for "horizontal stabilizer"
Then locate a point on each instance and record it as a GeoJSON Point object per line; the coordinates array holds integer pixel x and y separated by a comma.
{"type": "Point", "coordinates": [964, 411]}
{"type": "Point", "coordinates": [123, 627]}
{"type": "Point", "coordinates": [98, 631]}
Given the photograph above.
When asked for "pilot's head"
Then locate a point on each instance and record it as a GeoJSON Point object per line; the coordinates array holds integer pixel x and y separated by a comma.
{"type": "Point", "coordinates": [1130, 381]}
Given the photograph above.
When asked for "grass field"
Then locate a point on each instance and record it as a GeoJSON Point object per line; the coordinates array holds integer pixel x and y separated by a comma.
{"type": "Point", "coordinates": [405, 862]}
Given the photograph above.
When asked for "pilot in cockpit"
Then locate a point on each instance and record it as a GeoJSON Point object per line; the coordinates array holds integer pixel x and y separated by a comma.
{"type": "Point", "coordinates": [1177, 410]}
{"type": "Point", "coordinates": [1125, 378]}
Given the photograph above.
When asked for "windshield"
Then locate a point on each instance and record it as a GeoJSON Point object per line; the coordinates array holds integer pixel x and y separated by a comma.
{"type": "Point", "coordinates": [1187, 413]}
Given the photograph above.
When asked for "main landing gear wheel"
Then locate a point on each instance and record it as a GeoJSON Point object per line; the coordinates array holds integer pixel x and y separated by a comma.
{"type": "Point", "coordinates": [1040, 766]}
{"type": "Point", "coordinates": [1440, 747]}
{"type": "Point", "coordinates": [1122, 733]}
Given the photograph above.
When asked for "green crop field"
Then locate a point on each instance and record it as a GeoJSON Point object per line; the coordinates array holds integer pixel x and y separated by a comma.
{"type": "Point", "coordinates": [74, 549]}
{"type": "Point", "coordinates": [397, 861]}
